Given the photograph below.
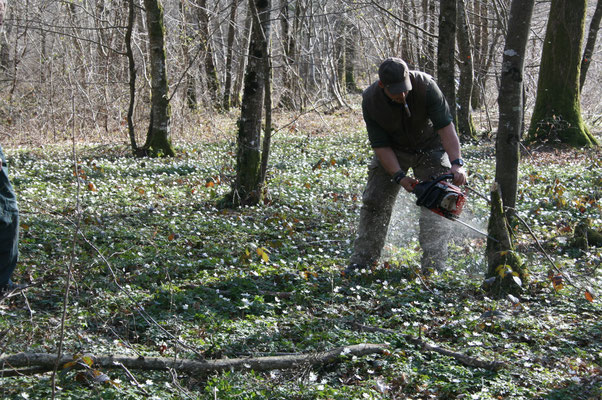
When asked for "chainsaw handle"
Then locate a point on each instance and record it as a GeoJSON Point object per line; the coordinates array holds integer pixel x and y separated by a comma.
{"type": "Point", "coordinates": [444, 177]}
{"type": "Point", "coordinates": [436, 180]}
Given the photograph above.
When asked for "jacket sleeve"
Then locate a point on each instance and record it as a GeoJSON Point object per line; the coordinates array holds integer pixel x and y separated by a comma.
{"type": "Point", "coordinates": [438, 109]}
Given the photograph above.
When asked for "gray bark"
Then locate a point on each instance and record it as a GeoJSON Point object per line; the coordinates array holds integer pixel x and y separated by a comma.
{"type": "Point", "coordinates": [557, 112]}
{"type": "Point", "coordinates": [446, 49]}
{"type": "Point", "coordinates": [132, 75]}
{"type": "Point", "coordinates": [208, 64]}
{"type": "Point", "coordinates": [247, 185]}
{"type": "Point", "coordinates": [158, 140]}
{"type": "Point", "coordinates": [229, 55]}
{"type": "Point", "coordinates": [465, 125]}
{"type": "Point", "coordinates": [510, 100]}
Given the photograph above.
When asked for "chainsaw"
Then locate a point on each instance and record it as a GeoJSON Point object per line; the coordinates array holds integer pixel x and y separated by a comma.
{"type": "Point", "coordinates": [443, 198]}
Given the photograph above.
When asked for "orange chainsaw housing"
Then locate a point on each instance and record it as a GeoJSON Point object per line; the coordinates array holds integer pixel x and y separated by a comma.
{"type": "Point", "coordinates": [440, 197]}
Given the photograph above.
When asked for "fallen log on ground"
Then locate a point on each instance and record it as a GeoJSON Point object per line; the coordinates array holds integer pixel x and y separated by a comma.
{"type": "Point", "coordinates": [20, 363]}
{"type": "Point", "coordinates": [462, 358]}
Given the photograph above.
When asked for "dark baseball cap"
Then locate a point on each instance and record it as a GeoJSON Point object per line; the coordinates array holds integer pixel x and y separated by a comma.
{"type": "Point", "coordinates": [395, 75]}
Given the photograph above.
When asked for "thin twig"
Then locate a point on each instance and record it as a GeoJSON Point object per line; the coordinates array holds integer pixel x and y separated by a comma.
{"type": "Point", "coordinates": [132, 377]}
{"type": "Point", "coordinates": [72, 256]}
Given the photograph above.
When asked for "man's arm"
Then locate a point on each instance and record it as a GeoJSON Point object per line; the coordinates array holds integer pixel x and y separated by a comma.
{"type": "Point", "coordinates": [451, 145]}
{"type": "Point", "coordinates": [388, 160]}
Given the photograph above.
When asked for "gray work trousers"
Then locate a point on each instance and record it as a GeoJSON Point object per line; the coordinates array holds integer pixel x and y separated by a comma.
{"type": "Point", "coordinates": [377, 204]}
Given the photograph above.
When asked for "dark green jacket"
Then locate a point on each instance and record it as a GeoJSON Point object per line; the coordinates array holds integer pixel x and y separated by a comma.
{"type": "Point", "coordinates": [389, 126]}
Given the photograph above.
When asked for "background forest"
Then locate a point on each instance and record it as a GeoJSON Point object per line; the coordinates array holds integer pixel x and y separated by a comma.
{"type": "Point", "coordinates": [123, 122]}
{"type": "Point", "coordinates": [65, 64]}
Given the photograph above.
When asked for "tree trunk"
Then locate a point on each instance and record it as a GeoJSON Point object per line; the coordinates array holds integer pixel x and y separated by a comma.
{"type": "Point", "coordinates": [351, 39]}
{"type": "Point", "coordinates": [557, 113]}
{"type": "Point", "coordinates": [132, 75]}
{"type": "Point", "coordinates": [429, 25]}
{"type": "Point", "coordinates": [480, 22]}
{"type": "Point", "coordinates": [229, 51]}
{"type": "Point", "coordinates": [590, 45]}
{"type": "Point", "coordinates": [465, 125]}
{"type": "Point", "coordinates": [208, 64]}
{"type": "Point", "coordinates": [267, 134]}
{"type": "Point", "coordinates": [406, 43]}
{"type": "Point", "coordinates": [247, 186]}
{"type": "Point", "coordinates": [242, 65]}
{"type": "Point", "coordinates": [158, 141]}
{"type": "Point", "coordinates": [446, 47]}
{"type": "Point", "coordinates": [510, 101]}
{"type": "Point", "coordinates": [287, 99]}
{"type": "Point", "coordinates": [506, 272]}
{"type": "Point", "coordinates": [190, 87]}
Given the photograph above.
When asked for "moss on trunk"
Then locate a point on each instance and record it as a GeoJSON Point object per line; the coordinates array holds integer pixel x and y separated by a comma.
{"type": "Point", "coordinates": [557, 113]}
{"type": "Point", "coordinates": [585, 236]}
{"type": "Point", "coordinates": [506, 272]}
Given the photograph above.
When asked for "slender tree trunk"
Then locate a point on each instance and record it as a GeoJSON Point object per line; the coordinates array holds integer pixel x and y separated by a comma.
{"type": "Point", "coordinates": [406, 43]}
{"type": "Point", "coordinates": [190, 87]}
{"type": "Point", "coordinates": [481, 43]}
{"type": "Point", "coordinates": [212, 79]}
{"type": "Point", "coordinates": [229, 52]}
{"type": "Point", "coordinates": [557, 112]}
{"type": "Point", "coordinates": [446, 49]}
{"type": "Point", "coordinates": [247, 185]}
{"type": "Point", "coordinates": [287, 99]}
{"type": "Point", "coordinates": [351, 39]}
{"type": "Point", "coordinates": [510, 101]}
{"type": "Point", "coordinates": [429, 11]}
{"type": "Point", "coordinates": [158, 140]}
{"type": "Point", "coordinates": [590, 45]}
{"type": "Point", "coordinates": [267, 135]}
{"type": "Point", "coordinates": [132, 73]}
{"type": "Point", "coordinates": [465, 125]}
{"type": "Point", "coordinates": [239, 82]}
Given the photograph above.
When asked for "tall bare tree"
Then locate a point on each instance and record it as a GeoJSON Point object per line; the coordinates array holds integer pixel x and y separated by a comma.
{"type": "Point", "coordinates": [466, 127]}
{"type": "Point", "coordinates": [557, 113]}
{"type": "Point", "coordinates": [503, 198]}
{"type": "Point", "coordinates": [132, 76]}
{"type": "Point", "coordinates": [158, 139]}
{"type": "Point", "coordinates": [208, 63]}
{"type": "Point", "coordinates": [247, 185]}
{"type": "Point", "coordinates": [229, 55]}
{"type": "Point", "coordinates": [510, 101]}
{"type": "Point", "coordinates": [446, 50]}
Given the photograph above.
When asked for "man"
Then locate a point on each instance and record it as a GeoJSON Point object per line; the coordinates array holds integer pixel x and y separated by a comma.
{"type": "Point", "coordinates": [9, 232]}
{"type": "Point", "coordinates": [409, 126]}
{"type": "Point", "coordinates": [9, 220]}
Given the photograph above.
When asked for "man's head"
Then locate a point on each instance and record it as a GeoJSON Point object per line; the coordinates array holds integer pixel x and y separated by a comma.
{"type": "Point", "coordinates": [394, 76]}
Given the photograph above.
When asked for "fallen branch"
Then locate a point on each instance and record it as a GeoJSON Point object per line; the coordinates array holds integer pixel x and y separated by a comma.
{"type": "Point", "coordinates": [462, 358]}
{"type": "Point", "coordinates": [44, 361]}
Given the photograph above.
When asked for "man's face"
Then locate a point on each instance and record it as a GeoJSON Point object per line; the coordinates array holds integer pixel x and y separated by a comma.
{"type": "Point", "coordinates": [398, 98]}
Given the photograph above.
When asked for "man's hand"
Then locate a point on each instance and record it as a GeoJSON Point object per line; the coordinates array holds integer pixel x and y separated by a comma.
{"type": "Point", "coordinates": [408, 183]}
{"type": "Point", "coordinates": [459, 175]}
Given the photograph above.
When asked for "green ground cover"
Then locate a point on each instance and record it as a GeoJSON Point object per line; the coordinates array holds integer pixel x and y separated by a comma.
{"type": "Point", "coordinates": [267, 280]}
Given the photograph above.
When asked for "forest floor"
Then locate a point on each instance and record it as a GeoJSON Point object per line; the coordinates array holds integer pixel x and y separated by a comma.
{"type": "Point", "coordinates": [152, 268]}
